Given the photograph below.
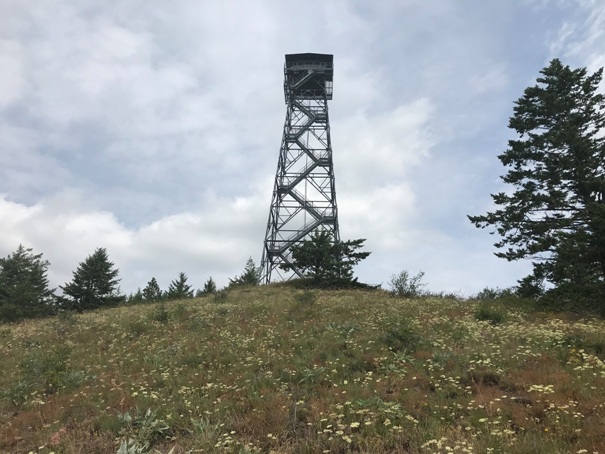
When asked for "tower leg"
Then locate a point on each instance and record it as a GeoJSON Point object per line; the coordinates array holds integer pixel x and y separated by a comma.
{"type": "Point", "coordinates": [304, 195]}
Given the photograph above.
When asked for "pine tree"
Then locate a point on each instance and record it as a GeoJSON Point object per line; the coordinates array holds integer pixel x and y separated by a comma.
{"type": "Point", "coordinates": [24, 288]}
{"type": "Point", "coordinates": [152, 291]}
{"type": "Point", "coordinates": [250, 276]}
{"type": "Point", "coordinates": [325, 261]}
{"type": "Point", "coordinates": [94, 284]}
{"type": "Point", "coordinates": [179, 289]}
{"type": "Point", "coordinates": [209, 288]}
{"type": "Point", "coordinates": [555, 212]}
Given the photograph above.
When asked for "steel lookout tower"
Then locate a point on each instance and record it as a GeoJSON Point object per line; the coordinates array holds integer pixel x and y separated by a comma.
{"type": "Point", "coordinates": [304, 196]}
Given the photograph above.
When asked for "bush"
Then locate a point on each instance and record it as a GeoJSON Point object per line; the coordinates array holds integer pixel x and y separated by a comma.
{"type": "Point", "coordinates": [406, 286]}
{"type": "Point", "coordinates": [160, 314]}
{"type": "Point", "coordinates": [490, 313]}
{"type": "Point", "coordinates": [221, 296]}
{"type": "Point", "coordinates": [401, 336]}
{"type": "Point", "coordinates": [305, 298]}
{"type": "Point", "coordinates": [489, 293]}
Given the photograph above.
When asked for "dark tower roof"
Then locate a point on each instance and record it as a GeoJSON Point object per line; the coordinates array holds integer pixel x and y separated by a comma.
{"type": "Point", "coordinates": [294, 58]}
{"type": "Point", "coordinates": [308, 76]}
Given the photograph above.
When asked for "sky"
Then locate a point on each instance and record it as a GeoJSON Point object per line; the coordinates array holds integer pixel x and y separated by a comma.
{"type": "Point", "coordinates": [153, 128]}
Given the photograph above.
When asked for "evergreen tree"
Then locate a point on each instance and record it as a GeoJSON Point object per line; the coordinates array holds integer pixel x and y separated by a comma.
{"type": "Point", "coordinates": [135, 298]}
{"type": "Point", "coordinates": [325, 261]}
{"type": "Point", "coordinates": [179, 289]}
{"type": "Point", "coordinates": [209, 288]}
{"type": "Point", "coordinates": [94, 284]}
{"type": "Point", "coordinates": [152, 291]}
{"type": "Point", "coordinates": [250, 276]}
{"type": "Point", "coordinates": [24, 288]}
{"type": "Point", "coordinates": [554, 213]}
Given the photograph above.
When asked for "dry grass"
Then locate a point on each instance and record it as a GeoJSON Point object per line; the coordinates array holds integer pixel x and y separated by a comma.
{"type": "Point", "coordinates": [273, 369]}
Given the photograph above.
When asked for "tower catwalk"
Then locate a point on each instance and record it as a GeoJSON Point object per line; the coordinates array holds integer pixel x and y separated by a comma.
{"type": "Point", "coordinates": [304, 196]}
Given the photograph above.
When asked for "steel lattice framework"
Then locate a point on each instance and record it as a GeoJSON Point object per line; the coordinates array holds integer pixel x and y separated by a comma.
{"type": "Point", "coordinates": [304, 195]}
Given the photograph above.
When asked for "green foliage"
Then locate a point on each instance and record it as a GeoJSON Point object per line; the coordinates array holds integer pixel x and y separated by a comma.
{"type": "Point", "coordinates": [209, 288]}
{"type": "Point", "coordinates": [489, 293]}
{"type": "Point", "coordinates": [306, 298]}
{"type": "Point", "coordinates": [179, 289]}
{"type": "Point", "coordinates": [490, 313]}
{"type": "Point", "coordinates": [404, 285]}
{"type": "Point", "coordinates": [555, 213]}
{"type": "Point", "coordinates": [221, 296]}
{"type": "Point", "coordinates": [326, 262]}
{"type": "Point", "coordinates": [152, 291]}
{"type": "Point", "coordinates": [160, 314]}
{"type": "Point", "coordinates": [135, 298]}
{"type": "Point", "coordinates": [140, 430]}
{"type": "Point", "coordinates": [24, 291]}
{"type": "Point", "coordinates": [401, 336]}
{"type": "Point", "coordinates": [250, 275]}
{"type": "Point", "coordinates": [94, 284]}
{"type": "Point", "coordinates": [270, 372]}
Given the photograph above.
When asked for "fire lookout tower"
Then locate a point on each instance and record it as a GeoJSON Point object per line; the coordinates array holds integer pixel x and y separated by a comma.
{"type": "Point", "coordinates": [304, 196]}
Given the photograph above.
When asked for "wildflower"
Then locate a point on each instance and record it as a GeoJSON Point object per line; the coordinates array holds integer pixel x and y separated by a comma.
{"type": "Point", "coordinates": [354, 425]}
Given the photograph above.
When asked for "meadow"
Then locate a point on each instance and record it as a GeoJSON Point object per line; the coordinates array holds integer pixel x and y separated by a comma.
{"type": "Point", "coordinates": [273, 369]}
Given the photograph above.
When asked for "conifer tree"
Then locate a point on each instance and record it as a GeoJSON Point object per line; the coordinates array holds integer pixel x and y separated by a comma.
{"type": "Point", "coordinates": [209, 287]}
{"type": "Point", "coordinates": [250, 275]}
{"type": "Point", "coordinates": [554, 210]}
{"type": "Point", "coordinates": [94, 284]}
{"type": "Point", "coordinates": [179, 289]}
{"type": "Point", "coordinates": [24, 288]}
{"type": "Point", "coordinates": [325, 261]}
{"type": "Point", "coordinates": [152, 291]}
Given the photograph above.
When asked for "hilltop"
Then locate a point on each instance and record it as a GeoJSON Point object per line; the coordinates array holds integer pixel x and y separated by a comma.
{"type": "Point", "coordinates": [275, 369]}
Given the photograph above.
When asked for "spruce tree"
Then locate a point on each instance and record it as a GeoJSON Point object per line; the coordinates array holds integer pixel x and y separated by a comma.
{"type": "Point", "coordinates": [250, 275]}
{"type": "Point", "coordinates": [209, 287]}
{"type": "Point", "coordinates": [325, 261]}
{"type": "Point", "coordinates": [179, 289]}
{"type": "Point", "coordinates": [554, 210]}
{"type": "Point", "coordinates": [152, 291]}
{"type": "Point", "coordinates": [94, 284]}
{"type": "Point", "coordinates": [24, 288]}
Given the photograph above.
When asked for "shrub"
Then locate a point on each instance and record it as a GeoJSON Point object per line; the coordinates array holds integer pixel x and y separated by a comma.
{"type": "Point", "coordinates": [221, 296]}
{"type": "Point", "coordinates": [401, 336]}
{"type": "Point", "coordinates": [160, 314]}
{"type": "Point", "coordinates": [407, 286]}
{"type": "Point", "coordinates": [490, 313]}
{"type": "Point", "coordinates": [306, 298]}
{"type": "Point", "coordinates": [489, 293]}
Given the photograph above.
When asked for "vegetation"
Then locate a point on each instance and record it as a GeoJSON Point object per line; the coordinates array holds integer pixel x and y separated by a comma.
{"type": "Point", "coordinates": [327, 263]}
{"type": "Point", "coordinates": [152, 291]}
{"type": "Point", "coordinates": [209, 288]}
{"type": "Point", "coordinates": [405, 285]}
{"type": "Point", "coordinates": [250, 275]}
{"type": "Point", "coordinates": [94, 284]}
{"type": "Point", "coordinates": [179, 288]}
{"type": "Point", "coordinates": [24, 291]}
{"type": "Point", "coordinates": [278, 369]}
{"type": "Point", "coordinates": [555, 213]}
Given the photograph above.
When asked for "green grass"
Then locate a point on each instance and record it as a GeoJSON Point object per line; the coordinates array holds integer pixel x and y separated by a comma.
{"type": "Point", "coordinates": [274, 369]}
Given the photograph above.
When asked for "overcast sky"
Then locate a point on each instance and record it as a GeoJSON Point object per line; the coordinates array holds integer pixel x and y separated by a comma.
{"type": "Point", "coordinates": [152, 128]}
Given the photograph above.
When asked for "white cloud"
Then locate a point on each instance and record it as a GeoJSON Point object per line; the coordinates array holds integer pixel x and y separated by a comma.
{"type": "Point", "coordinates": [216, 241]}
{"type": "Point", "coordinates": [154, 130]}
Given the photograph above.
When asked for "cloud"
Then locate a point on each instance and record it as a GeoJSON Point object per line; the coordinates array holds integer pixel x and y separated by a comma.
{"type": "Point", "coordinates": [155, 130]}
{"type": "Point", "coordinates": [214, 242]}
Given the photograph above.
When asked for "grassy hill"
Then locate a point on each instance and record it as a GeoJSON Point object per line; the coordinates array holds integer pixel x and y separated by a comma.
{"type": "Point", "coordinates": [273, 369]}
